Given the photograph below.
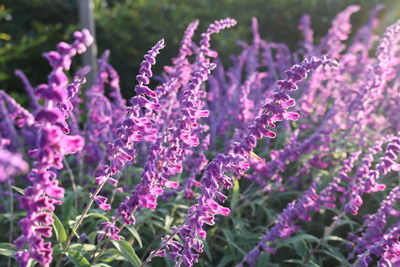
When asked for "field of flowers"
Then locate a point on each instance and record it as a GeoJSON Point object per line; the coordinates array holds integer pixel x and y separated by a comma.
{"type": "Point", "coordinates": [281, 158]}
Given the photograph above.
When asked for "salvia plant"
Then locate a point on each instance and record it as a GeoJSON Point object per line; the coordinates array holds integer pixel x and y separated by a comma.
{"type": "Point", "coordinates": [281, 158]}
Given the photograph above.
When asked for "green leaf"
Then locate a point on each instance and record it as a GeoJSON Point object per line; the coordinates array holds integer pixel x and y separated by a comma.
{"type": "Point", "coordinates": [334, 238]}
{"type": "Point", "coordinates": [297, 261]}
{"type": "Point", "coordinates": [127, 251]}
{"type": "Point", "coordinates": [301, 248]}
{"type": "Point", "coordinates": [231, 242]}
{"type": "Point", "coordinates": [4, 76]}
{"type": "Point", "coordinates": [336, 256]}
{"type": "Point", "coordinates": [83, 247]}
{"type": "Point", "coordinates": [168, 221]}
{"type": "Point", "coordinates": [18, 190]}
{"type": "Point", "coordinates": [7, 249]}
{"type": "Point", "coordinates": [312, 264]}
{"type": "Point", "coordinates": [96, 215]}
{"type": "Point", "coordinates": [31, 263]}
{"type": "Point", "coordinates": [135, 234]}
{"type": "Point", "coordinates": [67, 206]}
{"type": "Point", "coordinates": [235, 194]}
{"type": "Point", "coordinates": [59, 230]}
{"type": "Point", "coordinates": [72, 223]}
{"type": "Point", "coordinates": [224, 261]}
{"type": "Point", "coordinates": [263, 260]}
{"type": "Point", "coordinates": [334, 253]}
{"type": "Point", "coordinates": [207, 250]}
{"type": "Point", "coordinates": [111, 255]}
{"type": "Point", "coordinates": [301, 263]}
{"type": "Point", "coordinates": [13, 215]}
{"type": "Point", "coordinates": [297, 238]}
{"type": "Point", "coordinates": [75, 232]}
{"type": "Point", "coordinates": [345, 220]}
{"type": "Point", "coordinates": [77, 258]}
{"type": "Point", "coordinates": [169, 262]}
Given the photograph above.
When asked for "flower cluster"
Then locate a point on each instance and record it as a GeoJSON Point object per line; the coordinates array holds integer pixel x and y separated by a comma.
{"type": "Point", "coordinates": [192, 232]}
{"type": "Point", "coordinates": [375, 223]}
{"type": "Point", "coordinates": [52, 145]}
{"type": "Point", "coordinates": [154, 176]}
{"type": "Point", "coordinates": [134, 127]}
{"type": "Point", "coordinates": [386, 248]}
{"type": "Point", "coordinates": [369, 184]}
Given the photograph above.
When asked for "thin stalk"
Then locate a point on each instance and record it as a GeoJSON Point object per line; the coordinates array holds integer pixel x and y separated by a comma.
{"type": "Point", "coordinates": [76, 226]}
{"type": "Point", "coordinates": [72, 178]}
{"type": "Point", "coordinates": [92, 257]}
{"type": "Point", "coordinates": [149, 246]}
{"type": "Point", "coordinates": [11, 229]}
{"type": "Point", "coordinates": [96, 258]}
{"type": "Point", "coordinates": [162, 244]}
{"type": "Point", "coordinates": [326, 234]}
{"type": "Point", "coordinates": [114, 192]}
{"type": "Point", "coordinates": [80, 171]}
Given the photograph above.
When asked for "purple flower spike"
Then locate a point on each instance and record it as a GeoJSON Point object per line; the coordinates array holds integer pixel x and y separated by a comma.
{"type": "Point", "coordinates": [327, 197]}
{"type": "Point", "coordinates": [163, 161]}
{"type": "Point", "coordinates": [33, 100]}
{"type": "Point", "coordinates": [376, 223]}
{"type": "Point", "coordinates": [60, 61]}
{"type": "Point", "coordinates": [21, 116]}
{"type": "Point", "coordinates": [215, 27]}
{"type": "Point", "coordinates": [386, 248]}
{"type": "Point", "coordinates": [340, 30]}
{"type": "Point", "coordinates": [11, 164]}
{"type": "Point", "coordinates": [145, 70]}
{"type": "Point", "coordinates": [192, 232]}
{"type": "Point", "coordinates": [186, 44]}
{"type": "Point", "coordinates": [308, 34]}
{"type": "Point", "coordinates": [52, 145]}
{"type": "Point", "coordinates": [285, 224]}
{"type": "Point", "coordinates": [137, 126]}
{"type": "Point", "coordinates": [100, 121]}
{"type": "Point", "coordinates": [369, 184]}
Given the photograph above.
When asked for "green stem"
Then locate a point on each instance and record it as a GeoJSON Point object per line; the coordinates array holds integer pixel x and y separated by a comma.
{"type": "Point", "coordinates": [11, 229]}
{"type": "Point", "coordinates": [327, 233]}
{"type": "Point", "coordinates": [76, 226]}
{"type": "Point", "coordinates": [92, 257]}
{"type": "Point", "coordinates": [72, 178]}
{"type": "Point", "coordinates": [149, 246]}
{"type": "Point", "coordinates": [104, 247]}
{"type": "Point", "coordinates": [162, 244]}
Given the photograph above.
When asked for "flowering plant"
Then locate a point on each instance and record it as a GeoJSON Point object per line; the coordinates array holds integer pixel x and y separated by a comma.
{"type": "Point", "coordinates": [284, 157]}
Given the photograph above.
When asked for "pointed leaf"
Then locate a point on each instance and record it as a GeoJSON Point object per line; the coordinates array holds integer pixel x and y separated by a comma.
{"type": "Point", "coordinates": [127, 251]}
{"type": "Point", "coordinates": [297, 238]}
{"type": "Point", "coordinates": [77, 258]}
{"type": "Point", "coordinates": [7, 249]}
{"type": "Point", "coordinates": [19, 190]}
{"type": "Point", "coordinates": [224, 261]}
{"type": "Point", "coordinates": [59, 230]}
{"type": "Point", "coordinates": [135, 234]}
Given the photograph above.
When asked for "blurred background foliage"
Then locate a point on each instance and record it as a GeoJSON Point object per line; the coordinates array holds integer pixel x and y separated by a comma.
{"type": "Point", "coordinates": [130, 27]}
